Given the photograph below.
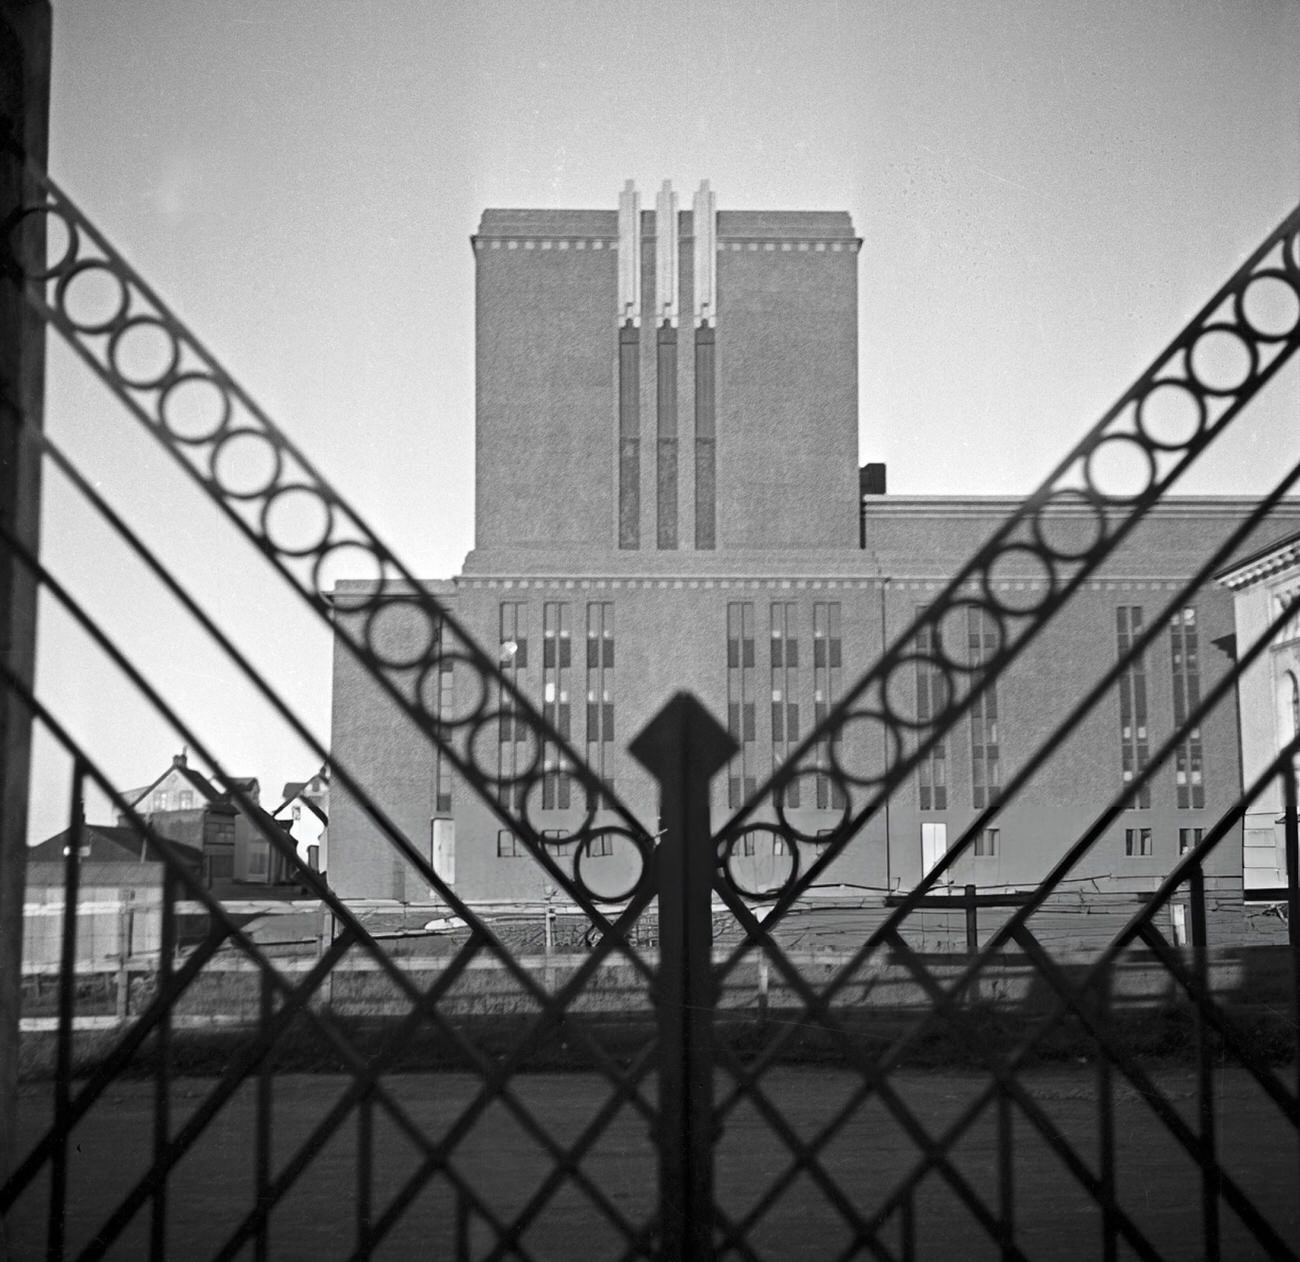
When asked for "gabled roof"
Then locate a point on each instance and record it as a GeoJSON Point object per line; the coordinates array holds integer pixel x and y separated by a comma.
{"type": "Point", "coordinates": [179, 763]}
{"type": "Point", "coordinates": [306, 801]}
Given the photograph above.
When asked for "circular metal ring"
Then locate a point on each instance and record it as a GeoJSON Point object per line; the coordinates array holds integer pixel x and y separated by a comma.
{"type": "Point", "coordinates": [1114, 441]}
{"type": "Point", "coordinates": [51, 270]}
{"type": "Point", "coordinates": [168, 396]}
{"type": "Point", "coordinates": [493, 720]}
{"type": "Point", "coordinates": [590, 798]}
{"type": "Point", "coordinates": [968, 664]}
{"type": "Point", "coordinates": [1040, 524]}
{"type": "Point", "coordinates": [85, 269]}
{"type": "Point", "coordinates": [1265, 275]}
{"type": "Point", "coordinates": [433, 671]}
{"type": "Point", "coordinates": [1221, 329]}
{"type": "Point", "coordinates": [1145, 422]}
{"type": "Point", "coordinates": [639, 842]}
{"type": "Point", "coordinates": [903, 669]}
{"type": "Point", "coordinates": [365, 602]}
{"type": "Point", "coordinates": [222, 444]}
{"type": "Point", "coordinates": [727, 852]}
{"type": "Point", "coordinates": [418, 638]}
{"type": "Point", "coordinates": [792, 830]}
{"type": "Point", "coordinates": [843, 736]}
{"type": "Point", "coordinates": [1033, 602]}
{"type": "Point", "coordinates": [297, 488]}
{"type": "Point", "coordinates": [115, 342]}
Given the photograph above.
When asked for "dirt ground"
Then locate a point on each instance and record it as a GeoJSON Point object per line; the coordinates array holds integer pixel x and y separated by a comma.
{"type": "Point", "coordinates": [497, 1168]}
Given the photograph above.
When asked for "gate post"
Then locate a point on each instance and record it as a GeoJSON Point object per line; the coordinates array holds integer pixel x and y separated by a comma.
{"type": "Point", "coordinates": [683, 747]}
{"type": "Point", "coordinates": [24, 116]}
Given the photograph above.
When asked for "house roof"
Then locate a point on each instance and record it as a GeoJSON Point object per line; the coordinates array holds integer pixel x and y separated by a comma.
{"type": "Point", "coordinates": [179, 763]}
{"type": "Point", "coordinates": [101, 843]}
{"type": "Point", "coordinates": [306, 801]}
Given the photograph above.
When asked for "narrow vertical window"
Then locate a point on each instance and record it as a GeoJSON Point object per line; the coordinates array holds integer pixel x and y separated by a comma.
{"type": "Point", "coordinates": [1189, 757]}
{"type": "Point", "coordinates": [706, 532]}
{"type": "Point", "coordinates": [985, 751]}
{"type": "Point", "coordinates": [557, 659]}
{"type": "Point", "coordinates": [828, 657]}
{"type": "Point", "coordinates": [444, 700]}
{"type": "Point", "coordinates": [932, 770]}
{"type": "Point", "coordinates": [600, 690]}
{"type": "Point", "coordinates": [629, 436]}
{"type": "Point", "coordinates": [667, 445]}
{"type": "Point", "coordinates": [513, 744]}
{"type": "Point", "coordinates": [741, 776]}
{"type": "Point", "coordinates": [785, 689]}
{"type": "Point", "coordinates": [1133, 740]}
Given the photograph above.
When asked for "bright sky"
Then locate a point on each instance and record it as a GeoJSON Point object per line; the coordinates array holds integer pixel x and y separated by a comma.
{"type": "Point", "coordinates": [1046, 193]}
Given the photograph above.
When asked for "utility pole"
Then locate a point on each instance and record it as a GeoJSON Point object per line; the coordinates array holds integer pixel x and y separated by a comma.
{"type": "Point", "coordinates": [24, 117]}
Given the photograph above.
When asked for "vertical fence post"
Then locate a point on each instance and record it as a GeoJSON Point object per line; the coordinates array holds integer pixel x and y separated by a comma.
{"type": "Point", "coordinates": [682, 747]}
{"type": "Point", "coordinates": [24, 112]}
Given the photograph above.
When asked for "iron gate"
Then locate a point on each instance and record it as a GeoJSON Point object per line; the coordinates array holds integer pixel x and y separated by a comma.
{"type": "Point", "coordinates": [679, 1094]}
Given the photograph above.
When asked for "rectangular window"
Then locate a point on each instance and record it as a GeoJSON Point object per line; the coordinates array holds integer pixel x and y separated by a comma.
{"type": "Point", "coordinates": [186, 799]}
{"type": "Point", "coordinates": [445, 702]}
{"type": "Point", "coordinates": [741, 776]}
{"type": "Point", "coordinates": [934, 844]}
{"type": "Point", "coordinates": [257, 858]}
{"type": "Point", "coordinates": [1189, 839]}
{"type": "Point", "coordinates": [1132, 686]}
{"type": "Point", "coordinates": [828, 656]}
{"type": "Point", "coordinates": [508, 845]}
{"type": "Point", "coordinates": [159, 801]}
{"type": "Point", "coordinates": [932, 770]}
{"type": "Point", "coordinates": [557, 660]}
{"type": "Point", "coordinates": [600, 690]}
{"type": "Point", "coordinates": [511, 730]}
{"type": "Point", "coordinates": [629, 436]}
{"type": "Point", "coordinates": [667, 409]}
{"type": "Point", "coordinates": [705, 442]}
{"type": "Point", "coordinates": [987, 842]}
{"type": "Point", "coordinates": [556, 848]}
{"type": "Point", "coordinates": [1137, 842]}
{"type": "Point", "coordinates": [985, 747]}
{"type": "Point", "coordinates": [1189, 773]}
{"type": "Point", "coordinates": [785, 688]}
{"type": "Point", "coordinates": [600, 847]}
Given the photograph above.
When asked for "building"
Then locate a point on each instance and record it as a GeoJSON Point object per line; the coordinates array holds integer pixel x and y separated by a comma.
{"type": "Point", "coordinates": [667, 472]}
{"type": "Point", "coordinates": [1265, 585]}
{"type": "Point", "coordinates": [304, 813]}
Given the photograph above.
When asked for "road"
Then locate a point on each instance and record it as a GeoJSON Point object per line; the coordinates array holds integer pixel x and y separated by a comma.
{"type": "Point", "coordinates": [501, 1164]}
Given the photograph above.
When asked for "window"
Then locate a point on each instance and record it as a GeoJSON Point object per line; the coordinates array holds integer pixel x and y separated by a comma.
{"type": "Point", "coordinates": [1189, 771]}
{"type": "Point", "coordinates": [934, 843]}
{"type": "Point", "coordinates": [785, 689]}
{"type": "Point", "coordinates": [556, 848]}
{"type": "Point", "coordinates": [444, 707]}
{"type": "Point", "coordinates": [828, 658]}
{"type": "Point", "coordinates": [557, 659]}
{"type": "Point", "coordinates": [186, 799]}
{"type": "Point", "coordinates": [1137, 842]}
{"type": "Point", "coordinates": [600, 847]}
{"type": "Point", "coordinates": [741, 775]}
{"type": "Point", "coordinates": [159, 800]}
{"type": "Point", "coordinates": [600, 690]}
{"type": "Point", "coordinates": [512, 756]}
{"type": "Point", "coordinates": [629, 436]}
{"type": "Point", "coordinates": [508, 845]}
{"type": "Point", "coordinates": [1189, 839]}
{"type": "Point", "coordinates": [257, 858]}
{"type": "Point", "coordinates": [987, 842]}
{"type": "Point", "coordinates": [985, 758]}
{"type": "Point", "coordinates": [221, 867]}
{"type": "Point", "coordinates": [1132, 705]}
{"type": "Point", "coordinates": [747, 843]}
{"type": "Point", "coordinates": [666, 472]}
{"type": "Point", "coordinates": [931, 700]}
{"type": "Point", "coordinates": [705, 441]}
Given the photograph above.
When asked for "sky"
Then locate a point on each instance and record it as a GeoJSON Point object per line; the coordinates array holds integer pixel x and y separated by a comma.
{"type": "Point", "coordinates": [1046, 193]}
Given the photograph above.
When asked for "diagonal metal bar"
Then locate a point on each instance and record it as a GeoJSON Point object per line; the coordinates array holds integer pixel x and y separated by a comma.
{"type": "Point", "coordinates": [1025, 540]}
{"type": "Point", "coordinates": [256, 506]}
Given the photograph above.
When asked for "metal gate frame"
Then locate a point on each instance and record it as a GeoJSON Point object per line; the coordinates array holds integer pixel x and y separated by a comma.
{"type": "Point", "coordinates": [683, 747]}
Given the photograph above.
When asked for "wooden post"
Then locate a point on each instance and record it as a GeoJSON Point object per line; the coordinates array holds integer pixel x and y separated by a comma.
{"type": "Point", "coordinates": [683, 747]}
{"type": "Point", "coordinates": [24, 113]}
